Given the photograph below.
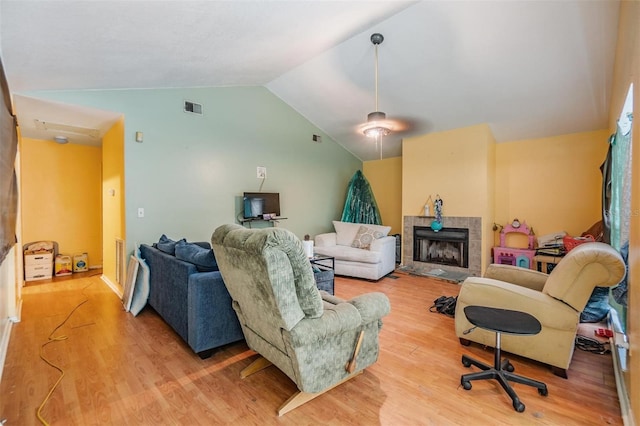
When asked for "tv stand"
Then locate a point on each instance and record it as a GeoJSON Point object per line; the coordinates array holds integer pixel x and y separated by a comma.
{"type": "Point", "coordinates": [272, 221]}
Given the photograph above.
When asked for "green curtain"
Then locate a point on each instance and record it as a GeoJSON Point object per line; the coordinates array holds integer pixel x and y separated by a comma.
{"type": "Point", "coordinates": [620, 207]}
{"type": "Point", "coordinates": [619, 211]}
{"type": "Point", "coordinates": [361, 206]}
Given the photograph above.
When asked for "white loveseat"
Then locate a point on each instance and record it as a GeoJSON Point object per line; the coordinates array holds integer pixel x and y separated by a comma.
{"type": "Point", "coordinates": [360, 250]}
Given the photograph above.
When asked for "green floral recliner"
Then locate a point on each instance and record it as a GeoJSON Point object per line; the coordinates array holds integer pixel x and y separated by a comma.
{"type": "Point", "coordinates": [316, 339]}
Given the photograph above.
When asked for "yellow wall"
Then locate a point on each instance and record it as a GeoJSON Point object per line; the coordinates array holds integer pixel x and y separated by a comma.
{"type": "Point", "coordinates": [60, 199]}
{"type": "Point", "coordinates": [551, 183]}
{"type": "Point", "coordinates": [457, 165]}
{"type": "Point", "coordinates": [626, 71]}
{"type": "Point", "coordinates": [385, 178]}
{"type": "Point", "coordinates": [113, 197]}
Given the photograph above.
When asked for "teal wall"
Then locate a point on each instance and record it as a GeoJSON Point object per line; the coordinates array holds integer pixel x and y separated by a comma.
{"type": "Point", "coordinates": [190, 172]}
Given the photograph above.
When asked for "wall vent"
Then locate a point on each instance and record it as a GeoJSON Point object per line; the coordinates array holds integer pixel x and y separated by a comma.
{"type": "Point", "coordinates": [192, 107]}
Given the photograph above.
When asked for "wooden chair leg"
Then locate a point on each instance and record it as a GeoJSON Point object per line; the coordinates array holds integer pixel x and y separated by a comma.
{"type": "Point", "coordinates": [351, 364]}
{"type": "Point", "coordinates": [299, 397]}
{"type": "Point", "coordinates": [260, 363]}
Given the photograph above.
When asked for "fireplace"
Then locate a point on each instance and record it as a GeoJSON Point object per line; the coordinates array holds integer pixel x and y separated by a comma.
{"type": "Point", "coordinates": [448, 246]}
{"type": "Point", "coordinates": [462, 254]}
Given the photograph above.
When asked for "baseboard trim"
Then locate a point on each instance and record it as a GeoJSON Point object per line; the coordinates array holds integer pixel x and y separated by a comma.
{"type": "Point", "coordinates": [618, 370]}
{"type": "Point", "coordinates": [623, 395]}
{"type": "Point", "coordinates": [4, 343]}
{"type": "Point", "coordinates": [116, 289]}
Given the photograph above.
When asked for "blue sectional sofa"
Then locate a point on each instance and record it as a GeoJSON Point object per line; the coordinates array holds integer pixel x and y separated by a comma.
{"type": "Point", "coordinates": [191, 297]}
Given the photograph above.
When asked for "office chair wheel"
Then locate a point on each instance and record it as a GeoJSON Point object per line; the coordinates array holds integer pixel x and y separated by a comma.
{"type": "Point", "coordinates": [543, 392]}
{"type": "Point", "coordinates": [466, 363]}
{"type": "Point", "coordinates": [466, 385]}
{"type": "Point", "coordinates": [509, 367]}
{"type": "Point", "coordinates": [519, 406]}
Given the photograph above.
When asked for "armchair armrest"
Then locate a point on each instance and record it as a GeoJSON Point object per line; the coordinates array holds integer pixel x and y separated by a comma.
{"type": "Point", "coordinates": [340, 316]}
{"type": "Point", "coordinates": [372, 306]}
{"type": "Point", "coordinates": [549, 311]}
{"type": "Point", "coordinates": [383, 243]}
{"type": "Point", "coordinates": [335, 320]}
{"type": "Point", "coordinates": [326, 240]}
{"type": "Point", "coordinates": [516, 275]}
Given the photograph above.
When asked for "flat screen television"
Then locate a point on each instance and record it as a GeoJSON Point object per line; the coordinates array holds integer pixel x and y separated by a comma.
{"type": "Point", "coordinates": [257, 204]}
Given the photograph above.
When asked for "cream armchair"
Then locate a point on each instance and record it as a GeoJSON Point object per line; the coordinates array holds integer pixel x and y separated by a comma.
{"type": "Point", "coordinates": [556, 300]}
{"type": "Point", "coordinates": [316, 339]}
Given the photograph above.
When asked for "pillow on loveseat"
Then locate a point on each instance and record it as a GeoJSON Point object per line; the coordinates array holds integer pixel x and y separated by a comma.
{"type": "Point", "coordinates": [365, 236]}
{"type": "Point", "coordinates": [202, 257]}
{"type": "Point", "coordinates": [167, 245]}
{"type": "Point", "coordinates": [346, 231]}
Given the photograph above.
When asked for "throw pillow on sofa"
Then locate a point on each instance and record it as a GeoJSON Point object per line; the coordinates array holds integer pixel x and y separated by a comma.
{"type": "Point", "coordinates": [167, 245]}
{"type": "Point", "coordinates": [203, 258]}
{"type": "Point", "coordinates": [365, 236]}
{"type": "Point", "coordinates": [346, 231]}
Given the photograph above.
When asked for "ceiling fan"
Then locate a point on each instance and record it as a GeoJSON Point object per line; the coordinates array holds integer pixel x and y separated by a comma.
{"type": "Point", "coordinates": [377, 124]}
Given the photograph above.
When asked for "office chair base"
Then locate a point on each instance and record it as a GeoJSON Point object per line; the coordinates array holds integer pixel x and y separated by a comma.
{"type": "Point", "coordinates": [503, 374]}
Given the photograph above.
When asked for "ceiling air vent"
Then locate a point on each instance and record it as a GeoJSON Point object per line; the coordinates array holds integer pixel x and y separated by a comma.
{"type": "Point", "coordinates": [192, 107]}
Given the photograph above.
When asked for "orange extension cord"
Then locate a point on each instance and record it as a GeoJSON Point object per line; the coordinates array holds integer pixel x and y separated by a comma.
{"type": "Point", "coordinates": [52, 339]}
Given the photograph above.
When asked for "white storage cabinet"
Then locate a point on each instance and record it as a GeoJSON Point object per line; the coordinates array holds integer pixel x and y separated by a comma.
{"type": "Point", "coordinates": [38, 266]}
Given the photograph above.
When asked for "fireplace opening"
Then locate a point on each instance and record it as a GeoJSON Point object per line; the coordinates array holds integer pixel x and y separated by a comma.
{"type": "Point", "coordinates": [448, 246]}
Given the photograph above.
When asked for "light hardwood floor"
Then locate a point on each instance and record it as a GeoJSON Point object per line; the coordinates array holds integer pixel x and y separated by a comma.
{"type": "Point", "coordinates": [126, 370]}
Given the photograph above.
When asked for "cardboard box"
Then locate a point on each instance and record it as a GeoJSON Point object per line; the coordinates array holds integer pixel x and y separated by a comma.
{"type": "Point", "coordinates": [63, 265]}
{"type": "Point", "coordinates": [80, 262]}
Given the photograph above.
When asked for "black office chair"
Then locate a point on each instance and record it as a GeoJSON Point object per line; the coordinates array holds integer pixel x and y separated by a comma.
{"type": "Point", "coordinates": [501, 321]}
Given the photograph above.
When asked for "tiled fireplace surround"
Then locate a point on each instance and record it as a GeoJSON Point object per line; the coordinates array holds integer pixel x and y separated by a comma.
{"type": "Point", "coordinates": [474, 224]}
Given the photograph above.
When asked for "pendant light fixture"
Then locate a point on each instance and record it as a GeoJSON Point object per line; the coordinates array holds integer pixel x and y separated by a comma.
{"type": "Point", "coordinates": [376, 125]}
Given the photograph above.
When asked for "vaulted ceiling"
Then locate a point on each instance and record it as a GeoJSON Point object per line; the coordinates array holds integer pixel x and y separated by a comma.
{"type": "Point", "coordinates": [527, 68]}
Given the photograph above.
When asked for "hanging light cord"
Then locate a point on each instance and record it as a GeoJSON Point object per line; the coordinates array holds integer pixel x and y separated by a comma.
{"type": "Point", "coordinates": [376, 75]}
{"type": "Point", "coordinates": [378, 136]}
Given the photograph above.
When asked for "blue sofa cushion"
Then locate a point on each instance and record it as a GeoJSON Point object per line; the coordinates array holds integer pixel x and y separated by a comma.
{"type": "Point", "coordinates": [167, 245]}
{"type": "Point", "coordinates": [203, 258]}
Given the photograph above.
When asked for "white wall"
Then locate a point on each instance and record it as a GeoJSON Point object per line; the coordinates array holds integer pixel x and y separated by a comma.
{"type": "Point", "coordinates": [9, 302]}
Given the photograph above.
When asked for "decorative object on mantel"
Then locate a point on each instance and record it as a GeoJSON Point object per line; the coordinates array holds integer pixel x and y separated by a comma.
{"type": "Point", "coordinates": [427, 206]}
{"type": "Point", "coordinates": [436, 225]}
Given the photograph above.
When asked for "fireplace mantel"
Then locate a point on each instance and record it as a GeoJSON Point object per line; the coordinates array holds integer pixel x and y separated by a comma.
{"type": "Point", "coordinates": [473, 224]}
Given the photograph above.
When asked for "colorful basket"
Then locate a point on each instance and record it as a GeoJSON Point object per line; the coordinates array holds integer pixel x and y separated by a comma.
{"type": "Point", "coordinates": [572, 242]}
